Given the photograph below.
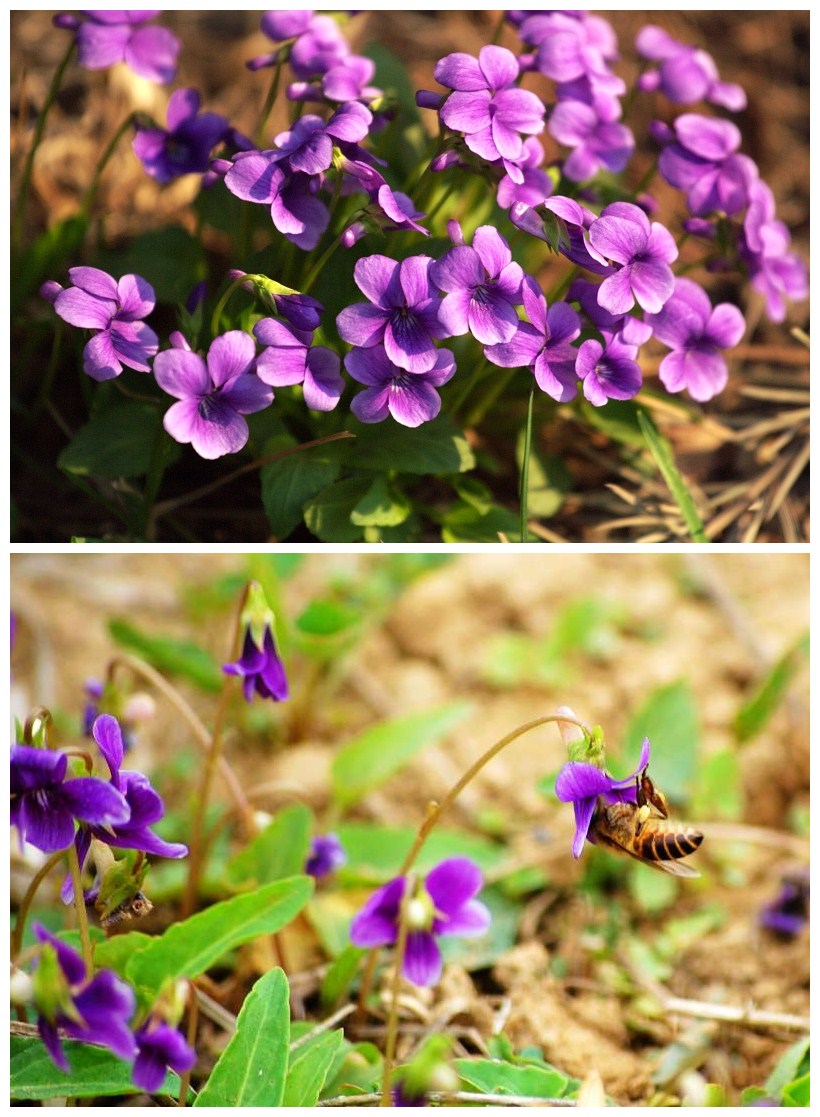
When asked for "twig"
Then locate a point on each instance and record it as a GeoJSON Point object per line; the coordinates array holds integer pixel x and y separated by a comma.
{"type": "Point", "coordinates": [214, 1011]}
{"type": "Point", "coordinates": [756, 835]}
{"type": "Point", "coordinates": [456, 1096]}
{"type": "Point", "coordinates": [756, 1018]}
{"type": "Point", "coordinates": [323, 1026]}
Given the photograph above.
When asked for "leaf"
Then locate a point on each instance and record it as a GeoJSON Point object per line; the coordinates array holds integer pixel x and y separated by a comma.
{"type": "Point", "coordinates": [788, 1066]}
{"type": "Point", "coordinates": [484, 950]}
{"type": "Point", "coordinates": [488, 1076]}
{"type": "Point", "coordinates": [169, 655]}
{"type": "Point", "coordinates": [288, 484]}
{"type": "Point", "coordinates": [377, 851]}
{"type": "Point", "coordinates": [618, 420]}
{"type": "Point", "coordinates": [115, 953]}
{"type": "Point", "coordinates": [327, 515]}
{"type": "Point", "coordinates": [46, 258]}
{"type": "Point", "coordinates": [280, 850]}
{"type": "Point", "coordinates": [368, 760]}
{"type": "Point", "coordinates": [669, 718]}
{"type": "Point", "coordinates": [549, 480]}
{"type": "Point", "coordinates": [753, 717]}
{"type": "Point", "coordinates": [189, 948]}
{"type": "Point", "coordinates": [665, 461]}
{"type": "Point", "coordinates": [309, 1067]}
{"type": "Point", "coordinates": [118, 441]}
{"type": "Point", "coordinates": [465, 524]}
{"type": "Point", "coordinates": [171, 257]}
{"type": "Point", "coordinates": [251, 1069]}
{"type": "Point", "coordinates": [383, 505]}
{"type": "Point", "coordinates": [798, 1093]}
{"type": "Point", "coordinates": [718, 792]}
{"type": "Point", "coordinates": [434, 447]}
{"type": "Point", "coordinates": [95, 1073]}
{"type": "Point", "coordinates": [340, 974]}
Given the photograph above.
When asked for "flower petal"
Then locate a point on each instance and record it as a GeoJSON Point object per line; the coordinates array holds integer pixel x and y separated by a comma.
{"type": "Point", "coordinates": [452, 883]}
{"type": "Point", "coordinates": [422, 959]}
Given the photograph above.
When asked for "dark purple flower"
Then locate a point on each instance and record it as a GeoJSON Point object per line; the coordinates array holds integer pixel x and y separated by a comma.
{"type": "Point", "coordinates": [105, 38]}
{"type": "Point", "coordinates": [442, 904]}
{"type": "Point", "coordinates": [608, 372]}
{"type": "Point", "coordinates": [686, 74]}
{"type": "Point", "coordinates": [483, 288]}
{"type": "Point", "coordinates": [260, 668]}
{"type": "Point", "coordinates": [93, 1011]}
{"type": "Point", "coordinates": [410, 397]}
{"type": "Point", "coordinates": [159, 1047]}
{"type": "Point", "coordinates": [326, 855]}
{"type": "Point", "coordinates": [704, 163]}
{"type": "Point", "coordinates": [788, 914]}
{"type": "Point", "coordinates": [45, 805]}
{"type": "Point", "coordinates": [402, 313]}
{"type": "Point", "coordinates": [597, 143]}
{"type": "Point", "coordinates": [624, 235]}
{"type": "Point", "coordinates": [695, 333]}
{"type": "Point", "coordinates": [94, 692]}
{"type": "Point", "coordinates": [213, 397]}
{"type": "Point", "coordinates": [544, 346]}
{"type": "Point", "coordinates": [113, 309]}
{"type": "Point", "coordinates": [290, 359]}
{"type": "Point", "coordinates": [185, 147]}
{"type": "Point", "coordinates": [581, 784]}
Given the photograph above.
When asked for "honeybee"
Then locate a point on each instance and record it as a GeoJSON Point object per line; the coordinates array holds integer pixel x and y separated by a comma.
{"type": "Point", "coordinates": [135, 907]}
{"type": "Point", "coordinates": [642, 831]}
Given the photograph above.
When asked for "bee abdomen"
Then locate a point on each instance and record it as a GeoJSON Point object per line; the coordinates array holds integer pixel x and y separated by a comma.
{"type": "Point", "coordinates": [672, 844]}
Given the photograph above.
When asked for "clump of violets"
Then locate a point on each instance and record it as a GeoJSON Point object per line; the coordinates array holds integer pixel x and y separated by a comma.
{"type": "Point", "coordinates": [685, 74]}
{"type": "Point", "coordinates": [105, 38]}
{"type": "Point", "coordinates": [326, 855]}
{"type": "Point", "coordinates": [259, 666]}
{"type": "Point", "coordinates": [443, 903]}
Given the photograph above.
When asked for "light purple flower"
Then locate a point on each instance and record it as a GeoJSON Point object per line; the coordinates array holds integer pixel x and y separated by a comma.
{"type": "Point", "coordinates": [256, 176]}
{"type": "Point", "coordinates": [443, 904]}
{"type": "Point", "coordinates": [536, 185]}
{"type": "Point", "coordinates": [704, 163]}
{"type": "Point", "coordinates": [624, 327]}
{"type": "Point", "coordinates": [388, 210]}
{"type": "Point", "coordinates": [410, 397]}
{"type": "Point", "coordinates": [695, 333]}
{"type": "Point", "coordinates": [582, 784]}
{"type": "Point", "coordinates": [483, 288]}
{"type": "Point", "coordinates": [544, 345]}
{"type": "Point", "coordinates": [281, 25]}
{"type": "Point", "coordinates": [598, 144]}
{"type": "Point", "coordinates": [159, 1047]}
{"type": "Point", "coordinates": [402, 314]}
{"type": "Point", "coordinates": [609, 372]}
{"type": "Point", "coordinates": [185, 147]}
{"type": "Point", "coordinates": [290, 359]}
{"type": "Point", "coordinates": [113, 309]}
{"type": "Point", "coordinates": [326, 855]}
{"type": "Point", "coordinates": [624, 235]}
{"type": "Point", "coordinates": [308, 145]}
{"type": "Point", "coordinates": [686, 74]}
{"type": "Point", "coordinates": [260, 667]}
{"type": "Point", "coordinates": [571, 45]}
{"type": "Point", "coordinates": [105, 38]}
{"type": "Point", "coordinates": [764, 245]}
{"type": "Point", "coordinates": [214, 396]}
{"type": "Point", "coordinates": [318, 48]}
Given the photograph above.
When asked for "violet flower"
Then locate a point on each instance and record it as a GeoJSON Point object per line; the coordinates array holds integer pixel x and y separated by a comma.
{"type": "Point", "coordinates": [213, 397]}
{"type": "Point", "coordinates": [260, 667]}
{"type": "Point", "coordinates": [582, 784]}
{"type": "Point", "coordinates": [95, 1010]}
{"type": "Point", "coordinates": [290, 359]}
{"type": "Point", "coordinates": [535, 184]}
{"type": "Point", "coordinates": [624, 327]}
{"type": "Point", "coordinates": [402, 314]}
{"type": "Point", "coordinates": [597, 144]}
{"type": "Point", "coordinates": [644, 251]}
{"type": "Point", "coordinates": [256, 176]}
{"type": "Point", "coordinates": [544, 345]}
{"type": "Point", "coordinates": [159, 1047]}
{"type": "Point", "coordinates": [788, 914]}
{"type": "Point", "coordinates": [608, 371]}
{"type": "Point", "coordinates": [45, 805]}
{"type": "Point", "coordinates": [704, 162]}
{"type": "Point", "coordinates": [483, 288]}
{"type": "Point", "coordinates": [686, 74]}
{"type": "Point", "coordinates": [442, 904]}
{"type": "Point", "coordinates": [326, 856]}
{"type": "Point", "coordinates": [106, 37]}
{"type": "Point", "coordinates": [410, 397]}
{"type": "Point", "coordinates": [695, 333]}
{"type": "Point", "coordinates": [185, 146]}
{"type": "Point", "coordinates": [775, 272]}
{"type": "Point", "coordinates": [113, 309]}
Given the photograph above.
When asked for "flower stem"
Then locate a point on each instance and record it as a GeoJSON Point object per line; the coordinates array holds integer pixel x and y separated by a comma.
{"type": "Point", "coordinates": [25, 904]}
{"type": "Point", "coordinates": [79, 906]}
{"type": "Point", "coordinates": [393, 1013]}
{"type": "Point", "coordinates": [316, 270]}
{"type": "Point", "coordinates": [525, 468]}
{"type": "Point", "coordinates": [91, 192]}
{"type": "Point", "coordinates": [269, 103]}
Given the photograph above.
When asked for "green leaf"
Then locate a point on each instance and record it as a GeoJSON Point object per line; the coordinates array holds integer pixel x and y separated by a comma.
{"type": "Point", "coordinates": [618, 420]}
{"type": "Point", "coordinates": [251, 1069]}
{"type": "Point", "coordinates": [95, 1073]}
{"type": "Point", "coordinates": [718, 792]}
{"type": "Point", "coordinates": [665, 461]}
{"type": "Point", "coordinates": [288, 484]}
{"type": "Point", "coordinates": [190, 947]}
{"type": "Point", "coordinates": [484, 950]}
{"type": "Point", "coordinates": [465, 524]}
{"type": "Point", "coordinates": [280, 850]}
{"type": "Point", "coordinates": [383, 505]}
{"type": "Point", "coordinates": [172, 259]}
{"type": "Point", "coordinates": [46, 258]}
{"type": "Point", "coordinates": [549, 480]}
{"type": "Point", "coordinates": [487, 1076]}
{"type": "Point", "coordinates": [797, 1093]}
{"type": "Point", "coordinates": [169, 655]}
{"type": "Point", "coordinates": [376, 852]}
{"type": "Point", "coordinates": [434, 447]}
{"type": "Point", "coordinates": [117, 441]}
{"type": "Point", "coordinates": [669, 718]}
{"type": "Point", "coordinates": [789, 1066]}
{"type": "Point", "coordinates": [328, 513]}
{"type": "Point", "coordinates": [115, 953]}
{"type": "Point", "coordinates": [753, 717]}
{"type": "Point", "coordinates": [309, 1067]}
{"type": "Point", "coordinates": [340, 974]}
{"type": "Point", "coordinates": [651, 891]}
{"type": "Point", "coordinates": [367, 761]}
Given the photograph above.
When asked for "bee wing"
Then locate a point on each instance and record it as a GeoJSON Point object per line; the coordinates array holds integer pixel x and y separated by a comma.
{"type": "Point", "coordinates": [674, 868]}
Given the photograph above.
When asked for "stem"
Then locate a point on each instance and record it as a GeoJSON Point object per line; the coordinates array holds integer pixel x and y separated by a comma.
{"type": "Point", "coordinates": [193, 1021]}
{"type": "Point", "coordinates": [223, 302]}
{"type": "Point", "coordinates": [91, 192]}
{"type": "Point", "coordinates": [269, 102]}
{"type": "Point", "coordinates": [393, 1013]}
{"type": "Point", "coordinates": [79, 906]}
{"type": "Point", "coordinates": [22, 915]}
{"type": "Point", "coordinates": [525, 468]}
{"type": "Point", "coordinates": [316, 270]}
{"type": "Point", "coordinates": [25, 184]}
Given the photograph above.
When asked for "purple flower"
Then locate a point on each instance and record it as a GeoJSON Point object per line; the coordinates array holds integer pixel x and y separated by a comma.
{"type": "Point", "coordinates": [256, 176]}
{"type": "Point", "coordinates": [113, 309]}
{"type": "Point", "coordinates": [686, 74]}
{"type": "Point", "coordinates": [571, 45]}
{"type": "Point", "coordinates": [213, 397]}
{"type": "Point", "coordinates": [105, 38]}
{"type": "Point", "coordinates": [326, 856]}
{"type": "Point", "coordinates": [290, 359]}
{"type": "Point", "coordinates": [442, 904]}
{"type": "Point", "coordinates": [544, 345]}
{"type": "Point", "coordinates": [535, 184]}
{"type": "Point", "coordinates": [695, 333]}
{"type": "Point", "coordinates": [402, 314]}
{"type": "Point", "coordinates": [185, 147]}
{"type": "Point", "coordinates": [704, 164]}
{"type": "Point", "coordinates": [410, 397]}
{"type": "Point", "coordinates": [597, 143]}
{"type": "Point", "coordinates": [623, 234]}
{"type": "Point", "coordinates": [260, 668]}
{"type": "Point", "coordinates": [581, 784]}
{"type": "Point", "coordinates": [568, 222]}
{"type": "Point", "coordinates": [45, 805]}
{"type": "Point", "coordinates": [388, 210]}
{"type": "Point", "coordinates": [94, 692]}
{"type": "Point", "coordinates": [308, 145]}
{"type": "Point", "coordinates": [318, 48]}
{"type": "Point", "coordinates": [93, 1011]}
{"type": "Point", "coordinates": [483, 287]}
{"type": "Point", "coordinates": [788, 914]}
{"type": "Point", "coordinates": [159, 1046]}
{"type": "Point", "coordinates": [764, 246]}
{"type": "Point", "coordinates": [624, 327]}
{"type": "Point", "coordinates": [609, 372]}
